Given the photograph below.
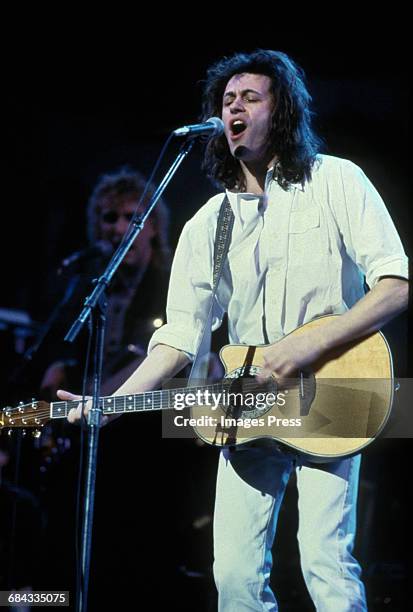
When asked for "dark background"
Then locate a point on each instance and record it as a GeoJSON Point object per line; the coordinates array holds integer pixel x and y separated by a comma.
{"type": "Point", "coordinates": [70, 120]}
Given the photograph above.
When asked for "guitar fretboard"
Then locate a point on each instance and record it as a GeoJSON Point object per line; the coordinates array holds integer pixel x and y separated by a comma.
{"type": "Point", "coordinates": [148, 401]}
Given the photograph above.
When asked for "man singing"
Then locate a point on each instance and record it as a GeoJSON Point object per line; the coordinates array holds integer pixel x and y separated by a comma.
{"type": "Point", "coordinates": [308, 230]}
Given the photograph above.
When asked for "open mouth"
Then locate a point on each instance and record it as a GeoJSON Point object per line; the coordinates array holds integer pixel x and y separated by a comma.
{"type": "Point", "coordinates": [237, 127]}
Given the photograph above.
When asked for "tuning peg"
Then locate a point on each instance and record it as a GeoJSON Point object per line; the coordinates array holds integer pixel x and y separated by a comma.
{"type": "Point", "coordinates": [36, 433]}
{"type": "Point", "coordinates": [24, 432]}
{"type": "Point", "coordinates": [10, 433]}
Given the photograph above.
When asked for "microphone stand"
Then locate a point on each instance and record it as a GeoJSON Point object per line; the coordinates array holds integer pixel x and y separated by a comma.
{"type": "Point", "coordinates": [95, 311]}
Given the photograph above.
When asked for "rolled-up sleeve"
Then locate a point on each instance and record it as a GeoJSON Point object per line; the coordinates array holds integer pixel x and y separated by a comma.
{"type": "Point", "coordinates": [369, 233]}
{"type": "Point", "coordinates": [189, 293]}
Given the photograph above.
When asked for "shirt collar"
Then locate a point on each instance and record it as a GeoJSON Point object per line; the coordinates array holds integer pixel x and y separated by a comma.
{"type": "Point", "coordinates": [299, 186]}
{"type": "Point", "coordinates": [256, 203]}
{"type": "Point", "coordinates": [247, 207]}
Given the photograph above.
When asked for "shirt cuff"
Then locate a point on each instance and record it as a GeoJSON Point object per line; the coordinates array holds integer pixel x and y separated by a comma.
{"type": "Point", "coordinates": [175, 337]}
{"type": "Point", "coordinates": [391, 266]}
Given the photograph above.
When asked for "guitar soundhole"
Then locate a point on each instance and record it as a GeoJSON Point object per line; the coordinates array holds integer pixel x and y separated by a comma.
{"type": "Point", "coordinates": [247, 397]}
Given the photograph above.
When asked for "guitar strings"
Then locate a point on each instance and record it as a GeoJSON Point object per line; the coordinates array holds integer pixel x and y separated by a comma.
{"type": "Point", "coordinates": [157, 402]}
{"type": "Point", "coordinates": [157, 399]}
{"type": "Point", "coordinates": [160, 393]}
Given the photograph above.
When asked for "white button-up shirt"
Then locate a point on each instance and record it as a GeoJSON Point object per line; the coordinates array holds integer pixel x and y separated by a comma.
{"type": "Point", "coordinates": [294, 255]}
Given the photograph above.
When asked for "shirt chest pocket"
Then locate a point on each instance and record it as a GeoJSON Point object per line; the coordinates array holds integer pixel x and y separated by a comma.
{"type": "Point", "coordinates": [307, 240]}
{"type": "Point", "coordinates": [303, 220]}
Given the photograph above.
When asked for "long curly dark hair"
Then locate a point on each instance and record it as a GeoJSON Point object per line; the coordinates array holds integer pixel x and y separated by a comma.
{"type": "Point", "coordinates": [291, 137]}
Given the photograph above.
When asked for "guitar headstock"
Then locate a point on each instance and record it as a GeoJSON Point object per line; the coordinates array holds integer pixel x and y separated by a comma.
{"type": "Point", "coordinates": [34, 414]}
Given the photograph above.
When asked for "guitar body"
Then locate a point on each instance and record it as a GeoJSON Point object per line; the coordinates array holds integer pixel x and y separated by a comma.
{"type": "Point", "coordinates": [349, 399]}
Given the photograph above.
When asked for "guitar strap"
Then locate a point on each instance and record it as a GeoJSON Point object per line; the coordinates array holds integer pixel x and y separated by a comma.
{"type": "Point", "coordinates": [225, 223]}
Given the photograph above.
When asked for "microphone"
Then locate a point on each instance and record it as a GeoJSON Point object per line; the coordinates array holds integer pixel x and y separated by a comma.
{"type": "Point", "coordinates": [102, 247]}
{"type": "Point", "coordinates": [214, 126]}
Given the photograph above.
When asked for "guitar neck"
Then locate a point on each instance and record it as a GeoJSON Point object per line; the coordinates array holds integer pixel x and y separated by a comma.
{"type": "Point", "coordinates": [149, 401]}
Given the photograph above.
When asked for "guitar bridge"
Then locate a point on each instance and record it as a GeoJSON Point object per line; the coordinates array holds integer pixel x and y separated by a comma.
{"type": "Point", "coordinates": [306, 391]}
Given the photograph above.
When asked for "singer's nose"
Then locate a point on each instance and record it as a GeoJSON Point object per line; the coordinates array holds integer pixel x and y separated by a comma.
{"type": "Point", "coordinates": [236, 105]}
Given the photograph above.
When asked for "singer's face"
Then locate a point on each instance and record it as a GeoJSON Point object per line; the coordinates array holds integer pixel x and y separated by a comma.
{"type": "Point", "coordinates": [114, 221]}
{"type": "Point", "coordinates": [247, 107]}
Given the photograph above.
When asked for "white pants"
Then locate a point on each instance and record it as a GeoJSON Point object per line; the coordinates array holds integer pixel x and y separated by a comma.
{"type": "Point", "coordinates": [250, 488]}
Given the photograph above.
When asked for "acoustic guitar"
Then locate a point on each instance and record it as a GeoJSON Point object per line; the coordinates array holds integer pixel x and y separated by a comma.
{"type": "Point", "coordinates": [333, 409]}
